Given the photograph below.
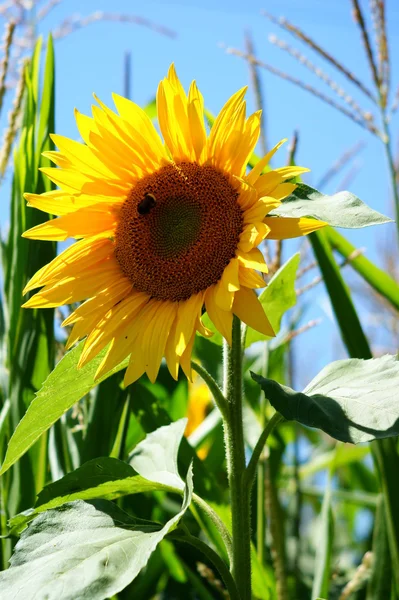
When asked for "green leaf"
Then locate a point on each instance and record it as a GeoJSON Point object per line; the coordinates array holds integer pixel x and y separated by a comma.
{"type": "Point", "coordinates": [83, 550]}
{"type": "Point", "coordinates": [324, 547]}
{"type": "Point", "coordinates": [345, 312]}
{"type": "Point", "coordinates": [343, 209]}
{"type": "Point", "coordinates": [352, 400]}
{"type": "Point", "coordinates": [379, 280]}
{"type": "Point", "coordinates": [154, 459]}
{"type": "Point", "coordinates": [277, 298]}
{"type": "Point", "coordinates": [65, 386]}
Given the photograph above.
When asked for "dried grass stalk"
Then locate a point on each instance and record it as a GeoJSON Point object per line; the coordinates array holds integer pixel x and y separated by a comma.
{"type": "Point", "coordinates": [353, 116]}
{"type": "Point", "coordinates": [298, 33]}
{"type": "Point", "coordinates": [8, 37]}
{"type": "Point", "coordinates": [13, 115]}
{"type": "Point", "coordinates": [295, 53]}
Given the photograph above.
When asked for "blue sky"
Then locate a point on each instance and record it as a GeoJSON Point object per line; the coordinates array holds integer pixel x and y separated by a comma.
{"type": "Point", "coordinates": [91, 60]}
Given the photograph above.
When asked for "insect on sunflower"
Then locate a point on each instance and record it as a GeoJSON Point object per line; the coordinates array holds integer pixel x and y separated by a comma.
{"type": "Point", "coordinates": [164, 229]}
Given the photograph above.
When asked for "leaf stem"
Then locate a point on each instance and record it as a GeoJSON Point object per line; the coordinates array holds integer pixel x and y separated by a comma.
{"type": "Point", "coordinates": [214, 388]}
{"type": "Point", "coordinates": [217, 521]}
{"type": "Point", "coordinates": [214, 558]}
{"type": "Point", "coordinates": [251, 468]}
{"type": "Point", "coordinates": [235, 454]}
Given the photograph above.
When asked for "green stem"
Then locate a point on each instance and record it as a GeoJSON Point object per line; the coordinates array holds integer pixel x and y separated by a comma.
{"type": "Point", "coordinates": [251, 469]}
{"type": "Point", "coordinates": [235, 453]}
{"type": "Point", "coordinates": [215, 390]}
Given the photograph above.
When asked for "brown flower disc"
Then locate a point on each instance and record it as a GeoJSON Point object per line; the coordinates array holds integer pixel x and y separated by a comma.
{"type": "Point", "coordinates": [178, 230]}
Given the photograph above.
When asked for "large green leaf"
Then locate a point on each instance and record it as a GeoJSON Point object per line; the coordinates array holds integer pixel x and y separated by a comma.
{"type": "Point", "coordinates": [83, 550]}
{"type": "Point", "coordinates": [65, 386]}
{"type": "Point", "coordinates": [352, 400]}
{"type": "Point", "coordinates": [343, 209]}
{"type": "Point", "coordinates": [277, 298]}
{"type": "Point", "coordinates": [154, 459]}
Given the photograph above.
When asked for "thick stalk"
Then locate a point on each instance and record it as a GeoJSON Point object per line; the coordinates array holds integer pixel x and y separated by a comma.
{"type": "Point", "coordinates": [235, 453]}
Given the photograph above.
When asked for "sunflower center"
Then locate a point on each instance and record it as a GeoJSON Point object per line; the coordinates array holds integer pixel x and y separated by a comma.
{"type": "Point", "coordinates": [178, 230]}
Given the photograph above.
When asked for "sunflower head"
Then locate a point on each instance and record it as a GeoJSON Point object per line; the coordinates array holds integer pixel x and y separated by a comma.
{"type": "Point", "coordinates": [165, 230]}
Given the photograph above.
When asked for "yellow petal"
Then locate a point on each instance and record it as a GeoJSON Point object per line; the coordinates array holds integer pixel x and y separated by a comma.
{"type": "Point", "coordinates": [252, 236]}
{"type": "Point", "coordinates": [58, 159]}
{"type": "Point", "coordinates": [156, 336]}
{"type": "Point", "coordinates": [173, 117]}
{"type": "Point", "coordinates": [222, 319]}
{"type": "Point", "coordinates": [228, 284]}
{"type": "Point", "coordinates": [248, 194]}
{"type": "Point", "coordinates": [69, 180]}
{"type": "Point", "coordinates": [188, 312]}
{"type": "Point", "coordinates": [81, 157]}
{"type": "Point", "coordinates": [60, 203]}
{"type": "Point", "coordinates": [185, 360]}
{"type": "Point", "coordinates": [135, 370]}
{"type": "Point", "coordinates": [195, 113]}
{"type": "Point", "coordinates": [249, 139]}
{"type": "Point", "coordinates": [75, 289]}
{"type": "Point", "coordinates": [265, 184]}
{"type": "Point", "coordinates": [222, 121]}
{"type": "Point", "coordinates": [250, 278]}
{"type": "Point", "coordinates": [260, 165]}
{"type": "Point", "coordinates": [172, 360]}
{"type": "Point", "coordinates": [282, 228]}
{"type": "Point", "coordinates": [290, 172]}
{"type": "Point", "coordinates": [86, 126]}
{"type": "Point", "coordinates": [140, 122]}
{"type": "Point", "coordinates": [112, 325]}
{"type": "Point", "coordinates": [253, 259]}
{"type": "Point", "coordinates": [283, 190]}
{"type": "Point", "coordinates": [100, 303]}
{"type": "Point", "coordinates": [82, 223]}
{"type": "Point", "coordinates": [248, 308]}
{"type": "Point", "coordinates": [260, 209]}
{"type": "Point", "coordinates": [76, 258]}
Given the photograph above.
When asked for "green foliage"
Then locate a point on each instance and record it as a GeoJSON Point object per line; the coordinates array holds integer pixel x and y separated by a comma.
{"type": "Point", "coordinates": [83, 549]}
{"type": "Point", "coordinates": [65, 386]}
{"type": "Point", "coordinates": [278, 297]}
{"type": "Point", "coordinates": [351, 400]}
{"type": "Point", "coordinates": [340, 210]}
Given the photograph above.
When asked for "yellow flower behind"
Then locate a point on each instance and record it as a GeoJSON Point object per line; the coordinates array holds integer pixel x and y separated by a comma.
{"type": "Point", "coordinates": [164, 229]}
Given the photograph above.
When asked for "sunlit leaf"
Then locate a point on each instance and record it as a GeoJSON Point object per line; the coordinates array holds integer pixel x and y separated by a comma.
{"type": "Point", "coordinates": [83, 550]}
{"type": "Point", "coordinates": [352, 400]}
{"type": "Point", "coordinates": [65, 386]}
{"type": "Point", "coordinates": [343, 209]}
{"type": "Point", "coordinates": [278, 297]}
{"type": "Point", "coordinates": [154, 459]}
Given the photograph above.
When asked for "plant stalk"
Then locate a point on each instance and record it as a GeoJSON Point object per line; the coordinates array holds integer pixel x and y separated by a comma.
{"type": "Point", "coordinates": [235, 452]}
{"type": "Point", "coordinates": [392, 168]}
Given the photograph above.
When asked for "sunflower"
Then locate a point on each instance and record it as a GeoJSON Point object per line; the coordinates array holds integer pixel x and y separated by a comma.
{"type": "Point", "coordinates": [165, 230]}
